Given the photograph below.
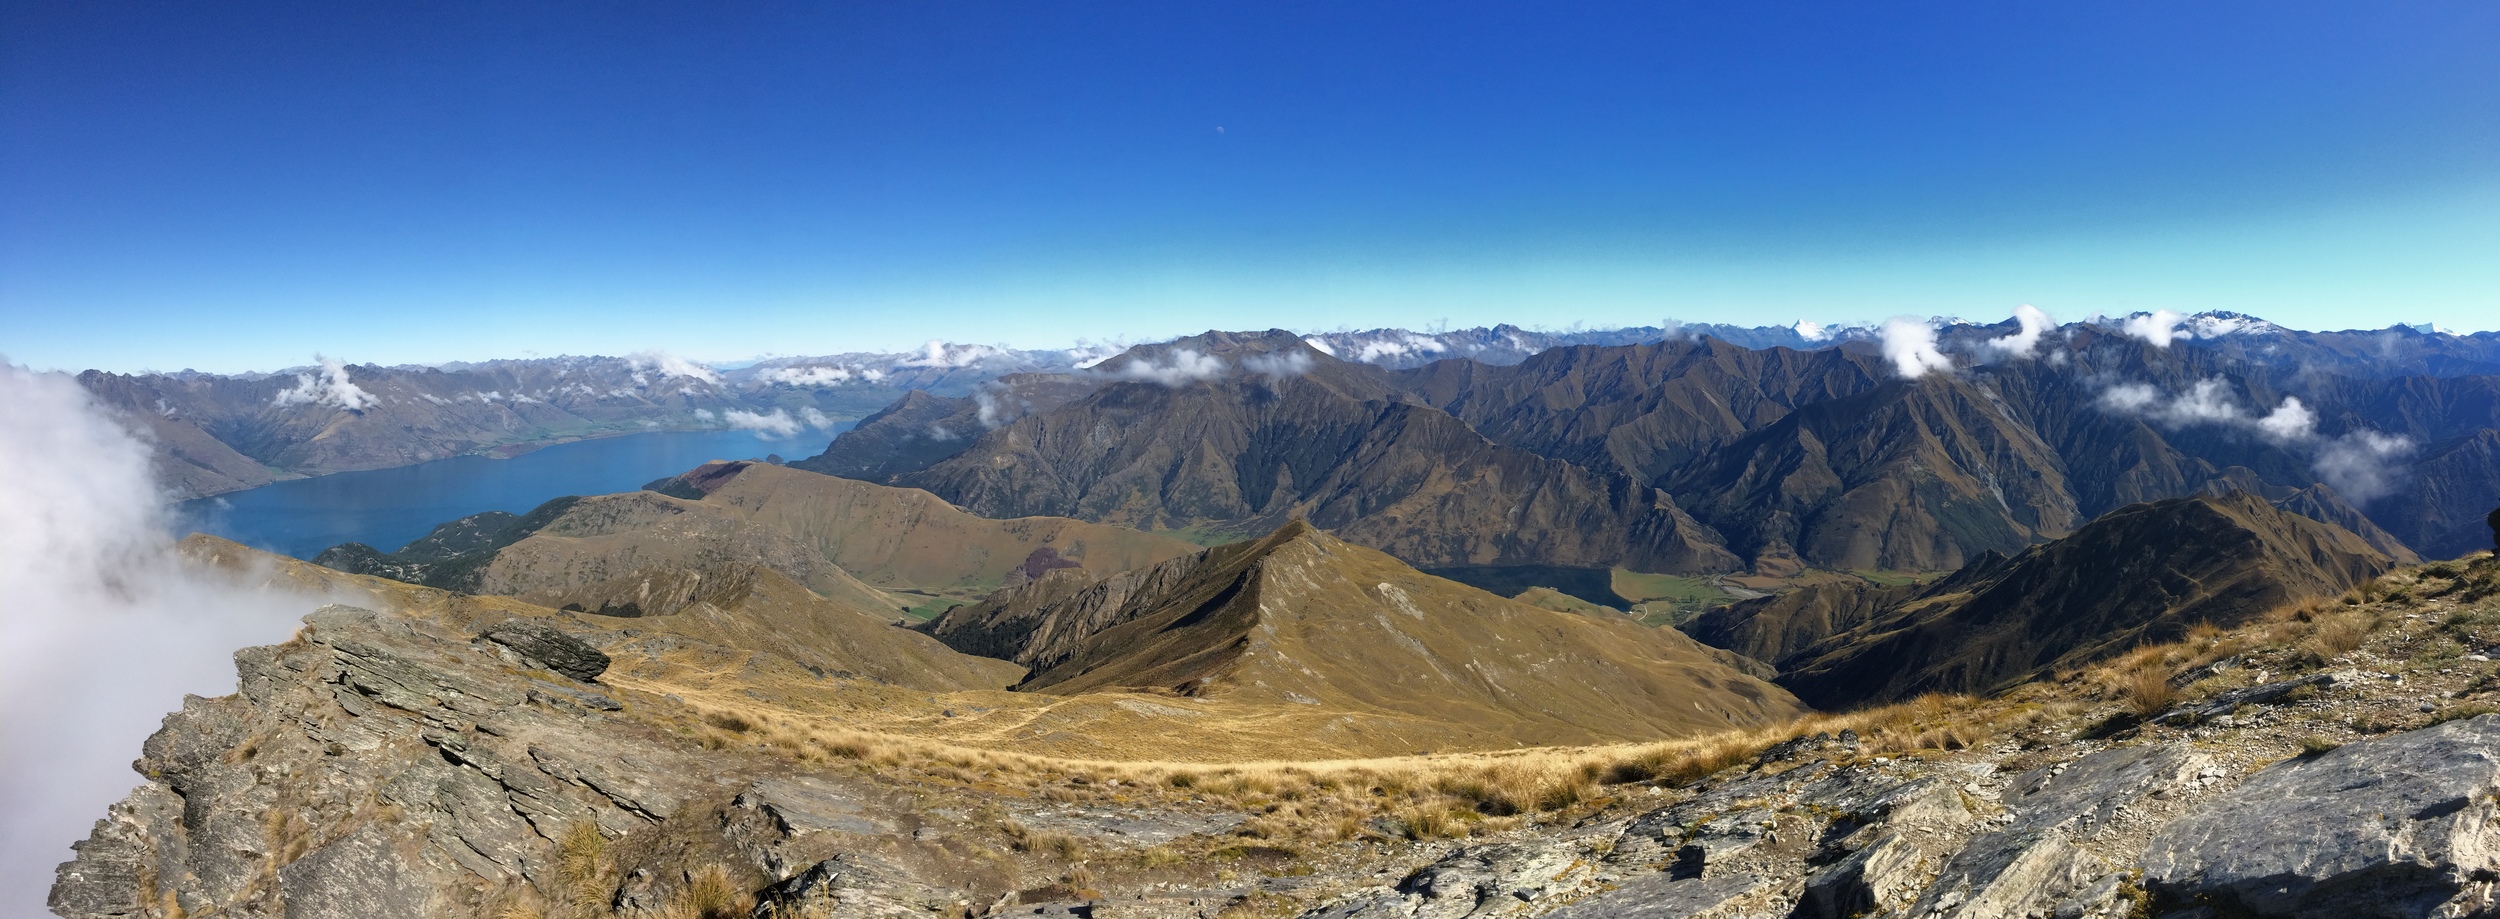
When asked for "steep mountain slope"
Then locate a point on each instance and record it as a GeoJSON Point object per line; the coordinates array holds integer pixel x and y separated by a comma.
{"type": "Point", "coordinates": [921, 429]}
{"type": "Point", "coordinates": [1301, 617]}
{"type": "Point", "coordinates": [1237, 433]}
{"type": "Point", "coordinates": [2321, 503]}
{"type": "Point", "coordinates": [2444, 494]}
{"type": "Point", "coordinates": [2144, 573]}
{"type": "Point", "coordinates": [1922, 475]}
{"type": "Point", "coordinates": [2091, 418]}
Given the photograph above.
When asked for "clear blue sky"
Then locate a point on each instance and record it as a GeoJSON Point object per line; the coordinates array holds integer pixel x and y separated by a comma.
{"type": "Point", "coordinates": [238, 185]}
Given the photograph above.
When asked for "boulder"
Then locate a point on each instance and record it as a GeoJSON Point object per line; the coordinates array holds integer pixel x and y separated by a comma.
{"type": "Point", "coordinates": [2398, 827]}
{"type": "Point", "coordinates": [547, 646]}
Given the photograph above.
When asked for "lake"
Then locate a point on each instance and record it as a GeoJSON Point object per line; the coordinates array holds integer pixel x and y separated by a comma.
{"type": "Point", "coordinates": [386, 508]}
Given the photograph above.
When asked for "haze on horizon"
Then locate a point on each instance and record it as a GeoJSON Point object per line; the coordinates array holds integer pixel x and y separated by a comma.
{"type": "Point", "coordinates": [234, 188]}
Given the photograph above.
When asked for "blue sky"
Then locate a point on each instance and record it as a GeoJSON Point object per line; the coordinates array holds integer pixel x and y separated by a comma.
{"type": "Point", "coordinates": [236, 186]}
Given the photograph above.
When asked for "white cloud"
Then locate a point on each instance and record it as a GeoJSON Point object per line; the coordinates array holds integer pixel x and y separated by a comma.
{"type": "Point", "coordinates": [103, 628]}
{"type": "Point", "coordinates": [2019, 344]}
{"type": "Point", "coordinates": [778, 424]}
{"type": "Point", "coordinates": [671, 365]}
{"type": "Point", "coordinates": [1811, 331]}
{"type": "Point", "coordinates": [1321, 346]}
{"type": "Point", "coordinates": [2129, 398]}
{"type": "Point", "coordinates": [942, 355]}
{"type": "Point", "coordinates": [1279, 366]}
{"type": "Point", "coordinates": [2361, 465]}
{"type": "Point", "coordinates": [2157, 328]}
{"type": "Point", "coordinates": [330, 388]}
{"type": "Point", "coordinates": [1398, 345]}
{"type": "Point", "coordinates": [703, 414]}
{"type": "Point", "coordinates": [2289, 422]}
{"type": "Point", "coordinates": [2211, 326]}
{"type": "Point", "coordinates": [1910, 344]}
{"type": "Point", "coordinates": [1088, 353]}
{"type": "Point", "coordinates": [809, 376]}
{"type": "Point", "coordinates": [991, 410]}
{"type": "Point", "coordinates": [1182, 367]}
{"type": "Point", "coordinates": [2207, 402]}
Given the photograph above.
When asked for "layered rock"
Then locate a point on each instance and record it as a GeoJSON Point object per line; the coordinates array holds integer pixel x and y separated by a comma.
{"type": "Point", "coordinates": [2396, 828]}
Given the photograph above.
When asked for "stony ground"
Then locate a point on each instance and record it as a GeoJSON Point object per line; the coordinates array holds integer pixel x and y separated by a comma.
{"type": "Point", "coordinates": [2337, 760]}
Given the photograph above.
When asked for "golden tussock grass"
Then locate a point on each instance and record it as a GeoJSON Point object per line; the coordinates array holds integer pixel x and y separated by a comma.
{"type": "Point", "coordinates": [1434, 796]}
{"type": "Point", "coordinates": [709, 893]}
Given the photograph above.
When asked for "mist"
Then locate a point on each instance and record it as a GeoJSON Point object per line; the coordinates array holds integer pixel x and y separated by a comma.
{"type": "Point", "coordinates": [103, 628]}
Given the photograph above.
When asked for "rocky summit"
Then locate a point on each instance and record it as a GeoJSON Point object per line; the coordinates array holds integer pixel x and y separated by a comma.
{"type": "Point", "coordinates": [2336, 757]}
{"type": "Point", "coordinates": [1707, 623]}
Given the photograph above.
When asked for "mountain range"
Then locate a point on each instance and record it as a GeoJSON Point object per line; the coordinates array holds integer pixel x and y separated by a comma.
{"type": "Point", "coordinates": [1697, 455]}
{"type": "Point", "coordinates": [216, 433]}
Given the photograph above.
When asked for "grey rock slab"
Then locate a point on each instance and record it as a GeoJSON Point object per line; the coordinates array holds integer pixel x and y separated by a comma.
{"type": "Point", "coordinates": [802, 805]}
{"type": "Point", "coordinates": [1887, 872]}
{"type": "Point", "coordinates": [2033, 863]}
{"type": "Point", "coordinates": [1657, 896]}
{"type": "Point", "coordinates": [541, 642]}
{"type": "Point", "coordinates": [359, 876]}
{"type": "Point", "coordinates": [851, 886]}
{"type": "Point", "coordinates": [119, 860]}
{"type": "Point", "coordinates": [2404, 826]}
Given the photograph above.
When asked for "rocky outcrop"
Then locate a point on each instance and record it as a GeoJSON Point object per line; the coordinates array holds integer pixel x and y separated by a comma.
{"type": "Point", "coordinates": [2394, 828]}
{"type": "Point", "coordinates": [382, 765]}
{"type": "Point", "coordinates": [541, 643]}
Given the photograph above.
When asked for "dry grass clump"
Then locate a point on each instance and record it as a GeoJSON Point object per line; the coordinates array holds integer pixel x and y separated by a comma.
{"type": "Point", "coordinates": [582, 872]}
{"type": "Point", "coordinates": [1044, 842]}
{"type": "Point", "coordinates": [2147, 691]}
{"type": "Point", "coordinates": [709, 893]}
{"type": "Point", "coordinates": [2334, 635]}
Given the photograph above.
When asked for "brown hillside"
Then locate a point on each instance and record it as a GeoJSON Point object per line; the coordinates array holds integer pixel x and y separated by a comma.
{"type": "Point", "coordinates": [739, 610]}
{"type": "Point", "coordinates": [1302, 618]}
{"type": "Point", "coordinates": [2143, 573]}
{"type": "Point", "coordinates": [811, 527]}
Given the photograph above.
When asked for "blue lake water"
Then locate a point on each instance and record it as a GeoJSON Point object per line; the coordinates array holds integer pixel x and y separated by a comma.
{"type": "Point", "coordinates": [386, 508]}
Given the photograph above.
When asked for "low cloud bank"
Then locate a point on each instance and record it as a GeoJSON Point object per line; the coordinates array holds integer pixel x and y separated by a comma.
{"type": "Point", "coordinates": [103, 628]}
